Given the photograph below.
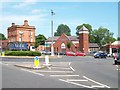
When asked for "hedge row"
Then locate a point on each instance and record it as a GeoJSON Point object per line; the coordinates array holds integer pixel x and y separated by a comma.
{"type": "Point", "coordinates": [22, 53]}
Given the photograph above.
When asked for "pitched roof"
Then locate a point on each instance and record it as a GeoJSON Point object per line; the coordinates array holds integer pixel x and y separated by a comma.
{"type": "Point", "coordinates": [93, 45]}
{"type": "Point", "coordinates": [72, 38]}
{"type": "Point", "coordinates": [83, 28]}
{"type": "Point", "coordinates": [116, 43]}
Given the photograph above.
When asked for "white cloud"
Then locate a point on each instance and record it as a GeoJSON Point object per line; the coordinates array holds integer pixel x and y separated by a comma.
{"type": "Point", "coordinates": [37, 11]}
{"type": "Point", "coordinates": [33, 20]}
{"type": "Point", "coordinates": [25, 3]}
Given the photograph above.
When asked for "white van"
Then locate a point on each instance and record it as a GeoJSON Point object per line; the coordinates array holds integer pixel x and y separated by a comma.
{"type": "Point", "coordinates": [32, 48]}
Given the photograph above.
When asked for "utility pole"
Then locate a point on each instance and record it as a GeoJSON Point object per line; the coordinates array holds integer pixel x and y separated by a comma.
{"type": "Point", "coordinates": [52, 48]}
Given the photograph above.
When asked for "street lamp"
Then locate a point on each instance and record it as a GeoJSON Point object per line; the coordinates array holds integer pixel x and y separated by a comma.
{"type": "Point", "coordinates": [52, 48]}
{"type": "Point", "coordinates": [21, 33]}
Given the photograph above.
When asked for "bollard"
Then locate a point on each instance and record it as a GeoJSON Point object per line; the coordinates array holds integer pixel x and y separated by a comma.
{"type": "Point", "coordinates": [36, 62]}
{"type": "Point", "coordinates": [47, 61]}
{"type": "Point", "coordinates": [3, 53]}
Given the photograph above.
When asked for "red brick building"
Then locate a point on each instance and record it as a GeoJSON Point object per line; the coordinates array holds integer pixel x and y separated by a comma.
{"type": "Point", "coordinates": [79, 43]}
{"type": "Point", "coordinates": [28, 36]}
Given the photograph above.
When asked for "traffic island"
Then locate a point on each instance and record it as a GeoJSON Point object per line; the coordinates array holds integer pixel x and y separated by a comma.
{"type": "Point", "coordinates": [32, 66]}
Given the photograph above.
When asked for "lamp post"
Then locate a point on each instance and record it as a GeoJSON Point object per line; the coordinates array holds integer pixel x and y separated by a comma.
{"type": "Point", "coordinates": [52, 48]}
{"type": "Point", "coordinates": [21, 33]}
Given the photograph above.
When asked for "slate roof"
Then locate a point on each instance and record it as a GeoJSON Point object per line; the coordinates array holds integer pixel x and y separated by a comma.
{"type": "Point", "coordinates": [93, 45]}
{"type": "Point", "coordinates": [72, 38]}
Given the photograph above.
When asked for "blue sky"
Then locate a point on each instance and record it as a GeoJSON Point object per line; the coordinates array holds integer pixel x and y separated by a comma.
{"type": "Point", "coordinates": [38, 14]}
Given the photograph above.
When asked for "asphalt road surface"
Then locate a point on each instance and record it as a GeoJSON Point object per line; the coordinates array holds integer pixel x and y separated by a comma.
{"type": "Point", "coordinates": [66, 72]}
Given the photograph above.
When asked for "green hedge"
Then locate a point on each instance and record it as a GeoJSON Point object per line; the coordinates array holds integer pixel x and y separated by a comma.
{"type": "Point", "coordinates": [22, 53]}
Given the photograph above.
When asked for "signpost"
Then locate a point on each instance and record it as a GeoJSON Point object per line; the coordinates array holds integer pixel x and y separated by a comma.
{"type": "Point", "coordinates": [36, 62]}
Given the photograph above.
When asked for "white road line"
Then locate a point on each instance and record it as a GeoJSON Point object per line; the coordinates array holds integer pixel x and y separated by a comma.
{"type": "Point", "coordinates": [64, 75]}
{"type": "Point", "coordinates": [69, 63]}
{"type": "Point", "coordinates": [49, 68]}
{"type": "Point", "coordinates": [58, 71]}
{"type": "Point", "coordinates": [75, 83]}
{"type": "Point", "coordinates": [96, 82]}
{"type": "Point", "coordinates": [76, 80]}
{"type": "Point", "coordinates": [72, 68]}
{"type": "Point", "coordinates": [60, 68]}
{"type": "Point", "coordinates": [93, 86]}
{"type": "Point", "coordinates": [33, 72]}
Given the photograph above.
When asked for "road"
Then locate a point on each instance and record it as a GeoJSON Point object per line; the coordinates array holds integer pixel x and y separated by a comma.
{"type": "Point", "coordinates": [66, 72]}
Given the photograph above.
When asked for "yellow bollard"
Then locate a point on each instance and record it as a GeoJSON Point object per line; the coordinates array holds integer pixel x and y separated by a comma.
{"type": "Point", "coordinates": [36, 62]}
{"type": "Point", "coordinates": [3, 54]}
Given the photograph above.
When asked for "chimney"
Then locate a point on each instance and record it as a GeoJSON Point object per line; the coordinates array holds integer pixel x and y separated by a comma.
{"type": "Point", "coordinates": [13, 24]}
{"type": "Point", "coordinates": [26, 23]}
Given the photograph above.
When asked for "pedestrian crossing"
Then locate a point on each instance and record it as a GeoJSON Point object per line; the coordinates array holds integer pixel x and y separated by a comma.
{"type": "Point", "coordinates": [68, 75]}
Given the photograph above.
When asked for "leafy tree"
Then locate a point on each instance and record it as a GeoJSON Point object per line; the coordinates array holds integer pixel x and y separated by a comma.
{"type": "Point", "coordinates": [118, 38]}
{"type": "Point", "coordinates": [103, 36]}
{"type": "Point", "coordinates": [100, 36]}
{"type": "Point", "coordinates": [2, 36]}
{"type": "Point", "coordinates": [89, 27]}
{"type": "Point", "coordinates": [39, 40]}
{"type": "Point", "coordinates": [69, 45]}
{"type": "Point", "coordinates": [62, 29]}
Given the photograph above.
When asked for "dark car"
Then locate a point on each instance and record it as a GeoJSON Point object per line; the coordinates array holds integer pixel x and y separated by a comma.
{"type": "Point", "coordinates": [116, 58]}
{"type": "Point", "coordinates": [60, 53]}
{"type": "Point", "coordinates": [100, 55]}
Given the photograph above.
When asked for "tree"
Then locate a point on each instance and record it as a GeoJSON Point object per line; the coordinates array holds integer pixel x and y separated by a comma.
{"type": "Point", "coordinates": [103, 36]}
{"type": "Point", "coordinates": [2, 36]}
{"type": "Point", "coordinates": [62, 29]}
{"type": "Point", "coordinates": [118, 38]}
{"type": "Point", "coordinates": [69, 45]}
{"type": "Point", "coordinates": [39, 40]}
{"type": "Point", "coordinates": [89, 27]}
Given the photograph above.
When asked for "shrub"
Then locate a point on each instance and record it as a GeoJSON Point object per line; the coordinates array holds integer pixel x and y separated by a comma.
{"type": "Point", "coordinates": [22, 53]}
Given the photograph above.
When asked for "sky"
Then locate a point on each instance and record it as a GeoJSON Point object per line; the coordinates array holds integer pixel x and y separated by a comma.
{"type": "Point", "coordinates": [71, 13]}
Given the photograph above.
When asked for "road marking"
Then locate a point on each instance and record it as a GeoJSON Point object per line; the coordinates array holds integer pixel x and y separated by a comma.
{"type": "Point", "coordinates": [49, 68]}
{"type": "Point", "coordinates": [72, 68]}
{"type": "Point", "coordinates": [33, 72]}
{"type": "Point", "coordinates": [95, 82]}
{"type": "Point", "coordinates": [64, 75]}
{"type": "Point", "coordinates": [60, 68]}
{"type": "Point", "coordinates": [93, 86]}
{"type": "Point", "coordinates": [69, 63]}
{"type": "Point", "coordinates": [58, 71]}
{"type": "Point", "coordinates": [76, 80]}
{"type": "Point", "coordinates": [75, 83]}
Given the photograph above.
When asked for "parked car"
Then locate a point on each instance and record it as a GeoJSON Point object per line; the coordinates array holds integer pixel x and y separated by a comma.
{"type": "Point", "coordinates": [48, 53]}
{"type": "Point", "coordinates": [70, 53]}
{"type": "Point", "coordinates": [100, 55]}
{"type": "Point", "coordinates": [80, 54]}
{"type": "Point", "coordinates": [109, 55]}
{"type": "Point", "coordinates": [92, 52]}
{"type": "Point", "coordinates": [60, 53]}
{"type": "Point", "coordinates": [43, 52]}
{"type": "Point", "coordinates": [116, 58]}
